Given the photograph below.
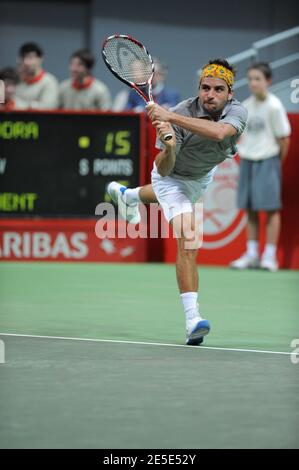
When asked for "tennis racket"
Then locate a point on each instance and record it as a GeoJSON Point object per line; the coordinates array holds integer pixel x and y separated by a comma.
{"type": "Point", "coordinates": [131, 63]}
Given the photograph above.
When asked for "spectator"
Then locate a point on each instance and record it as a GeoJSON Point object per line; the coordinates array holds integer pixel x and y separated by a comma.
{"type": "Point", "coordinates": [10, 78]}
{"type": "Point", "coordinates": [82, 90]}
{"type": "Point", "coordinates": [37, 88]}
{"type": "Point", "coordinates": [164, 96]}
{"type": "Point", "coordinates": [262, 148]}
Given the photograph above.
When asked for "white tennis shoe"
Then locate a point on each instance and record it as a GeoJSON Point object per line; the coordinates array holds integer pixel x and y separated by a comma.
{"type": "Point", "coordinates": [129, 212]}
{"type": "Point", "coordinates": [196, 329]}
{"type": "Point", "coordinates": [270, 264]}
{"type": "Point", "coordinates": [245, 261]}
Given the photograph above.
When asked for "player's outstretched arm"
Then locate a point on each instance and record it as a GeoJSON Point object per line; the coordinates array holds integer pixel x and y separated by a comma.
{"type": "Point", "coordinates": [212, 130]}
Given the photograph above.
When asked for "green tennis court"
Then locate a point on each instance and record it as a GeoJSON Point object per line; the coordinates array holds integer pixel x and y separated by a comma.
{"type": "Point", "coordinates": [100, 360]}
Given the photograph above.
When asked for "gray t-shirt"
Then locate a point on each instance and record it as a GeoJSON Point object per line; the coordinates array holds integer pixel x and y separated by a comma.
{"type": "Point", "coordinates": [196, 156]}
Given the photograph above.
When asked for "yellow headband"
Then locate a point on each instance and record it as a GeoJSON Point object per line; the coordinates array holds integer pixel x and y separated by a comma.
{"type": "Point", "coordinates": [218, 71]}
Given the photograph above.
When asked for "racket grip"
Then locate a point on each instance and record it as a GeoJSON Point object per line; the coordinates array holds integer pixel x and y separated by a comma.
{"type": "Point", "coordinates": [166, 136]}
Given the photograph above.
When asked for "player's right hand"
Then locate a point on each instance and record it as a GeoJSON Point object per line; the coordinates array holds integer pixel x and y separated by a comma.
{"type": "Point", "coordinates": [162, 129]}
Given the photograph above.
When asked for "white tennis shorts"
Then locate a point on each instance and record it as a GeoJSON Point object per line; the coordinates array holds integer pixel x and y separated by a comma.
{"type": "Point", "coordinates": [176, 195]}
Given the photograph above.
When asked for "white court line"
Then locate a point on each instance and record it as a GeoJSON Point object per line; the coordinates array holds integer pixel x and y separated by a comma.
{"type": "Point", "coordinates": [95, 340]}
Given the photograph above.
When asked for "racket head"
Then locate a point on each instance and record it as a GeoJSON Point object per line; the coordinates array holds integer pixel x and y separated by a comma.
{"type": "Point", "coordinates": [129, 60]}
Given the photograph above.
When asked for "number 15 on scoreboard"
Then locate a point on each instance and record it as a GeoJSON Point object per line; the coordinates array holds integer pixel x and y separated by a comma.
{"type": "Point", "coordinates": [118, 143]}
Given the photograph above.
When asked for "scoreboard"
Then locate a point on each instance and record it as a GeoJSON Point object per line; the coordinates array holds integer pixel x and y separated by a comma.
{"type": "Point", "coordinates": [59, 163]}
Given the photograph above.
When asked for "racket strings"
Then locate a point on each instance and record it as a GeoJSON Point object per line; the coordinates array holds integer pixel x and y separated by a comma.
{"type": "Point", "coordinates": [130, 61]}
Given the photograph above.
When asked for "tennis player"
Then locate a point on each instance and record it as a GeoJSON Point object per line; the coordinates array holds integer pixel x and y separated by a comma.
{"type": "Point", "coordinates": [204, 133]}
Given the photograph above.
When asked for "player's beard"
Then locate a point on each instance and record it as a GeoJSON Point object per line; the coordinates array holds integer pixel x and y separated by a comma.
{"type": "Point", "coordinates": [215, 111]}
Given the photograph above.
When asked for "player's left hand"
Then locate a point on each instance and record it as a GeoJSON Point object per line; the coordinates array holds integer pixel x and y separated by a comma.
{"type": "Point", "coordinates": [162, 129]}
{"type": "Point", "coordinates": [157, 113]}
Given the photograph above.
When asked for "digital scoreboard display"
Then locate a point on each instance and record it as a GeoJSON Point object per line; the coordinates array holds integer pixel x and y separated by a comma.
{"type": "Point", "coordinates": [59, 164]}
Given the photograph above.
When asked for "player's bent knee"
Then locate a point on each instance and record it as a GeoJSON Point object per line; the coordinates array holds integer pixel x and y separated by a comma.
{"type": "Point", "coordinates": [191, 240]}
{"type": "Point", "coordinates": [185, 249]}
{"type": "Point", "coordinates": [187, 232]}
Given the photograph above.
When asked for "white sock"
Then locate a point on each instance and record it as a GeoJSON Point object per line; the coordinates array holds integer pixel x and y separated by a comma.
{"type": "Point", "coordinates": [269, 251]}
{"type": "Point", "coordinates": [253, 248]}
{"type": "Point", "coordinates": [189, 301]}
{"type": "Point", "coordinates": [131, 195]}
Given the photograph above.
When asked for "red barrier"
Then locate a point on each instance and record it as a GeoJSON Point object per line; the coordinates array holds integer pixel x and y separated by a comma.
{"type": "Point", "coordinates": [289, 238]}
{"type": "Point", "coordinates": [64, 240]}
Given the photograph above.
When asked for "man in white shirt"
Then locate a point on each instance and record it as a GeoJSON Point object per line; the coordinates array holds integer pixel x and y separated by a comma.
{"type": "Point", "coordinates": [82, 90]}
{"type": "Point", "coordinates": [38, 89]}
{"type": "Point", "coordinates": [262, 148]}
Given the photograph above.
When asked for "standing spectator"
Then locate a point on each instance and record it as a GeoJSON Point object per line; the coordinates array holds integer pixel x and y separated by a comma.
{"type": "Point", "coordinates": [37, 88]}
{"type": "Point", "coordinates": [262, 148]}
{"type": "Point", "coordinates": [164, 96]}
{"type": "Point", "coordinates": [82, 90]}
{"type": "Point", "coordinates": [10, 78]}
